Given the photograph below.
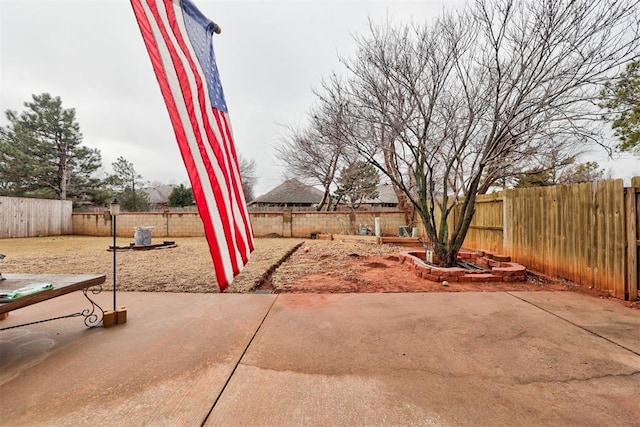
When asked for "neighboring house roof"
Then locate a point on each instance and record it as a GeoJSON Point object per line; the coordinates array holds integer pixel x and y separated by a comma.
{"type": "Point", "coordinates": [290, 192]}
{"type": "Point", "coordinates": [386, 195]}
{"type": "Point", "coordinates": [159, 194]}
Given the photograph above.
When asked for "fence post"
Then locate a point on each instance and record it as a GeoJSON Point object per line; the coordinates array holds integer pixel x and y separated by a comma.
{"type": "Point", "coordinates": [287, 220]}
{"type": "Point", "coordinates": [631, 216]}
{"type": "Point", "coordinates": [505, 228]}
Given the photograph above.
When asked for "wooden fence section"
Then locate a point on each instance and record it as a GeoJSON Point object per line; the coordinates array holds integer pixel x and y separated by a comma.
{"type": "Point", "coordinates": [587, 233]}
{"type": "Point", "coordinates": [576, 232]}
{"type": "Point", "coordinates": [21, 217]}
{"type": "Point", "coordinates": [486, 229]}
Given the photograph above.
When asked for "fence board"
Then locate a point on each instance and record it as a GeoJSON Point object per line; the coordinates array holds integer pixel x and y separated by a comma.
{"type": "Point", "coordinates": [562, 234]}
{"type": "Point", "coordinates": [25, 217]}
{"type": "Point", "coordinates": [584, 261]}
{"type": "Point", "coordinates": [618, 254]}
{"type": "Point", "coordinates": [635, 183]}
{"type": "Point", "coordinates": [632, 206]}
{"type": "Point", "coordinates": [537, 233]}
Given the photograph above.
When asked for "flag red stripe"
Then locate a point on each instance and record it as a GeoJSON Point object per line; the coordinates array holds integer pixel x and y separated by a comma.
{"type": "Point", "coordinates": [236, 193]}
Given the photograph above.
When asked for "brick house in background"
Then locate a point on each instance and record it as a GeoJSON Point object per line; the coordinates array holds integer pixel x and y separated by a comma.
{"type": "Point", "coordinates": [290, 194]}
{"type": "Point", "coordinates": [159, 196]}
{"type": "Point", "coordinates": [387, 199]}
{"type": "Point", "coordinates": [299, 196]}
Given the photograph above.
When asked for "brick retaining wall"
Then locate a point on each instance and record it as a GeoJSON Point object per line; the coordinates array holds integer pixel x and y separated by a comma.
{"type": "Point", "coordinates": [497, 268]}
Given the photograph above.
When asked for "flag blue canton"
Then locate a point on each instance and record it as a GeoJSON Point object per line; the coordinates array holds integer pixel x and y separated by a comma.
{"type": "Point", "coordinates": [200, 30]}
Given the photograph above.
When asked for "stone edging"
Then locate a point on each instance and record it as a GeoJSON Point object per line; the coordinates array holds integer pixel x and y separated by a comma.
{"type": "Point", "coordinates": [499, 268]}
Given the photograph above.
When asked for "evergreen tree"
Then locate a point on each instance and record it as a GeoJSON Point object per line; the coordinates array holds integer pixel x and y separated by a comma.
{"type": "Point", "coordinates": [181, 197]}
{"type": "Point", "coordinates": [41, 153]}
{"type": "Point", "coordinates": [622, 99]}
{"type": "Point", "coordinates": [357, 181]}
{"type": "Point", "coordinates": [126, 184]}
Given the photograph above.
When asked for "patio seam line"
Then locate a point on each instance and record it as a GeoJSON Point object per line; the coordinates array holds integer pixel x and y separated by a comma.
{"type": "Point", "coordinates": [575, 324]}
{"type": "Point", "coordinates": [215, 402]}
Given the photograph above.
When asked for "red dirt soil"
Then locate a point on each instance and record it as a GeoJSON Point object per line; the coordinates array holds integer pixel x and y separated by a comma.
{"type": "Point", "coordinates": [386, 274]}
{"type": "Point", "coordinates": [319, 267]}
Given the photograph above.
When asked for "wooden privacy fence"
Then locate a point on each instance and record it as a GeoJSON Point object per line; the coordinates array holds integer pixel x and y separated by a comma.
{"type": "Point", "coordinates": [22, 217]}
{"type": "Point", "coordinates": [587, 233]}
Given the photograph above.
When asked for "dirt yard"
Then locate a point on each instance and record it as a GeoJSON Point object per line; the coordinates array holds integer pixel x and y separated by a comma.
{"type": "Point", "coordinates": [316, 266]}
{"type": "Point", "coordinates": [322, 266]}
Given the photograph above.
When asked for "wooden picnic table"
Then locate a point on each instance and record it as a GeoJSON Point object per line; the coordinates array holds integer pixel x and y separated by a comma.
{"type": "Point", "coordinates": [62, 284]}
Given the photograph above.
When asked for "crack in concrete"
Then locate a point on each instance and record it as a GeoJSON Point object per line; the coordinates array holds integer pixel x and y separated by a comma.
{"type": "Point", "coordinates": [581, 380]}
{"type": "Point", "coordinates": [584, 328]}
{"type": "Point", "coordinates": [235, 367]}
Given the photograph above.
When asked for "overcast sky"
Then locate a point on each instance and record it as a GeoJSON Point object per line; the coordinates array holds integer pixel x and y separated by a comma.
{"type": "Point", "coordinates": [270, 56]}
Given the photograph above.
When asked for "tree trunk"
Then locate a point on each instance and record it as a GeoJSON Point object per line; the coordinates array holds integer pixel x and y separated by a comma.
{"type": "Point", "coordinates": [63, 176]}
{"type": "Point", "coordinates": [325, 197]}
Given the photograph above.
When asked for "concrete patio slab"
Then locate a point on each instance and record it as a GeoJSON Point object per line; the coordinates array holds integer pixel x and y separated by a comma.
{"type": "Point", "coordinates": [325, 360]}
{"type": "Point", "coordinates": [603, 317]}
{"type": "Point", "coordinates": [428, 359]}
{"type": "Point", "coordinates": [165, 366]}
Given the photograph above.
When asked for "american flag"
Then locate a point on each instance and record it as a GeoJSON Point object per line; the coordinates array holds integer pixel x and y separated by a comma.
{"type": "Point", "coordinates": [179, 39]}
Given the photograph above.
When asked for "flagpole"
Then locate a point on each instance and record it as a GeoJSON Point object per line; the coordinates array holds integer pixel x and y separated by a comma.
{"type": "Point", "coordinates": [114, 210]}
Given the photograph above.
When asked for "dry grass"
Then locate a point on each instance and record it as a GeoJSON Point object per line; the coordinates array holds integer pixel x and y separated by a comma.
{"type": "Point", "coordinates": [186, 268]}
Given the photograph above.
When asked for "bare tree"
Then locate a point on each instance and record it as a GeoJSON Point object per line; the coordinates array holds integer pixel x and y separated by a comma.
{"type": "Point", "coordinates": [249, 173]}
{"type": "Point", "coordinates": [126, 183]}
{"type": "Point", "coordinates": [314, 154]}
{"type": "Point", "coordinates": [448, 109]}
